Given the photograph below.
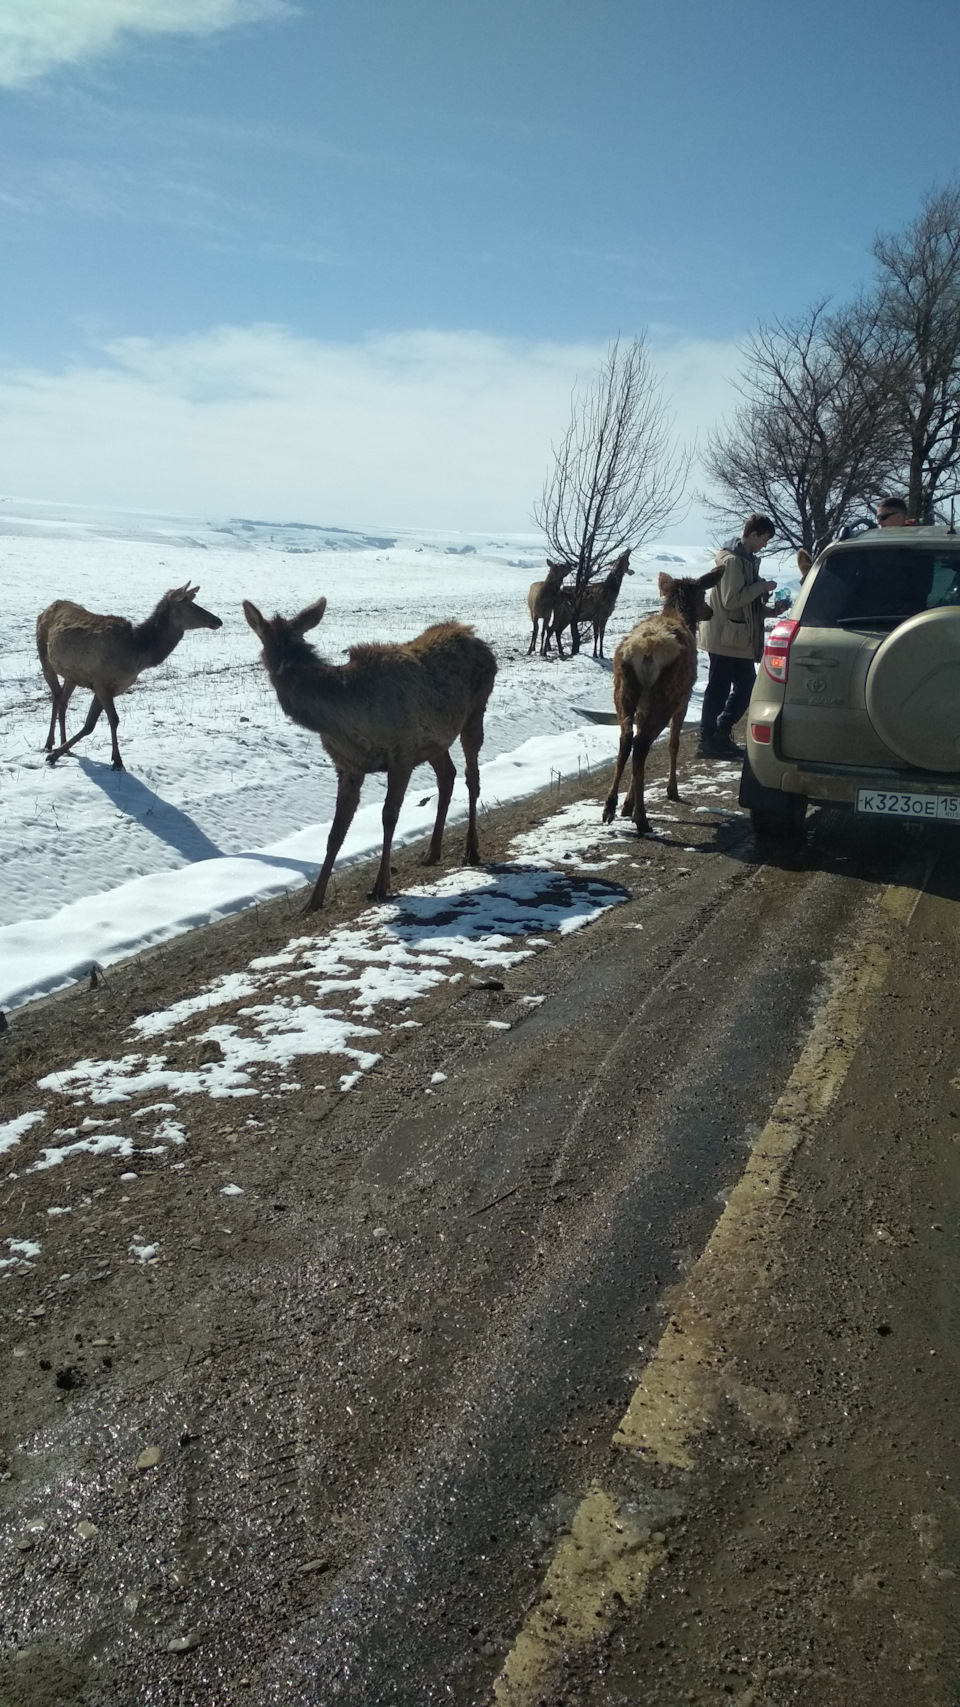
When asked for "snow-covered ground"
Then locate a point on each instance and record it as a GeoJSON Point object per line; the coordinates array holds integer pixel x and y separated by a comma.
{"type": "Point", "coordinates": [223, 801]}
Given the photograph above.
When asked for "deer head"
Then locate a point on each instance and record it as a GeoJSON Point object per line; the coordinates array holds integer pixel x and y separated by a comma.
{"type": "Point", "coordinates": [180, 605]}
{"type": "Point", "coordinates": [686, 595]}
{"type": "Point", "coordinates": [280, 627]}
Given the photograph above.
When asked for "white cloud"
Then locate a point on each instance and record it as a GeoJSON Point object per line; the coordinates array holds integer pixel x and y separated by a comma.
{"type": "Point", "coordinates": [36, 35]}
{"type": "Point", "coordinates": [419, 429]}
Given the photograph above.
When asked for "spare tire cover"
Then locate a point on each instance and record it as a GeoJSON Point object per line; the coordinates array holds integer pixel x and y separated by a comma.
{"type": "Point", "coordinates": [913, 690]}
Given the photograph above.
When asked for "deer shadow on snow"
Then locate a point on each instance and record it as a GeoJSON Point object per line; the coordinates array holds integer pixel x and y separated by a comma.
{"type": "Point", "coordinates": [134, 800]}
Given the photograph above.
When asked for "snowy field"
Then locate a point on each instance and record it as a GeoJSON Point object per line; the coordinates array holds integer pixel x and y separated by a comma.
{"type": "Point", "coordinates": [223, 801]}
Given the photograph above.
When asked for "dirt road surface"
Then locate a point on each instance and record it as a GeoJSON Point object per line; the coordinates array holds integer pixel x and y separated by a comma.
{"type": "Point", "coordinates": [598, 1344]}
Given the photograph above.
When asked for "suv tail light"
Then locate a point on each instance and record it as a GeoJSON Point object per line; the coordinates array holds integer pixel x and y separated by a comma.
{"type": "Point", "coordinates": [776, 652]}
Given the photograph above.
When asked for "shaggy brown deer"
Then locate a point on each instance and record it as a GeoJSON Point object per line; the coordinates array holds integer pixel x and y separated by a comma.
{"type": "Point", "coordinates": [599, 600]}
{"type": "Point", "coordinates": [390, 708]}
{"type": "Point", "coordinates": [107, 654]}
{"type": "Point", "coordinates": [540, 599]}
{"type": "Point", "coordinates": [654, 669]}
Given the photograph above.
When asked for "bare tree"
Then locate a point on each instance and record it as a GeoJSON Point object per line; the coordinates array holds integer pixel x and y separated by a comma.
{"type": "Point", "coordinates": [617, 476]}
{"type": "Point", "coordinates": [815, 436]}
{"type": "Point", "coordinates": [918, 308]}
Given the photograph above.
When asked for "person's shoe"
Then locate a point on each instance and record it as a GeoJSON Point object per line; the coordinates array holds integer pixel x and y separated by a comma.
{"type": "Point", "coordinates": [719, 745]}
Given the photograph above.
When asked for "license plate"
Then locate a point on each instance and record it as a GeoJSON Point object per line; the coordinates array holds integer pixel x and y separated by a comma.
{"type": "Point", "coordinates": [889, 805]}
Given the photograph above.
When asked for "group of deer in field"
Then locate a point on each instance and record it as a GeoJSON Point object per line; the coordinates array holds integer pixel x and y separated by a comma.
{"type": "Point", "coordinates": [392, 707]}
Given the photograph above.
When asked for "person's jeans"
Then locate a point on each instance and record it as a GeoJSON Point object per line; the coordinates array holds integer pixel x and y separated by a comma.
{"type": "Point", "coordinates": [727, 693]}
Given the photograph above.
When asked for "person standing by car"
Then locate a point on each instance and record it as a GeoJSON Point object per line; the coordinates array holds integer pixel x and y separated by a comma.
{"type": "Point", "coordinates": [734, 637]}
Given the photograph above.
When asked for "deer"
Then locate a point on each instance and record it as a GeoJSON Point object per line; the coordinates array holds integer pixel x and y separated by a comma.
{"type": "Point", "coordinates": [599, 599]}
{"type": "Point", "coordinates": [389, 708]}
{"type": "Point", "coordinates": [540, 599]}
{"type": "Point", "coordinates": [107, 654]}
{"type": "Point", "coordinates": [654, 669]}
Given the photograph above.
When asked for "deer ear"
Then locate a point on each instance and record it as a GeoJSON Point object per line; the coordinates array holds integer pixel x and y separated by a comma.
{"type": "Point", "coordinates": [308, 618]}
{"type": "Point", "coordinates": [258, 623]}
{"type": "Point", "coordinates": [665, 584]}
{"type": "Point", "coordinates": [711, 578]}
{"type": "Point", "coordinates": [804, 562]}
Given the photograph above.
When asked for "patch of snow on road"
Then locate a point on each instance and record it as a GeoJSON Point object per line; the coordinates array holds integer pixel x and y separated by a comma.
{"type": "Point", "coordinates": [22, 1251]}
{"type": "Point", "coordinates": [11, 1131]}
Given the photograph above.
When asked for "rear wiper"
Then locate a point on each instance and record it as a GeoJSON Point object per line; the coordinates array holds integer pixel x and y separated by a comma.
{"type": "Point", "coordinates": [876, 619]}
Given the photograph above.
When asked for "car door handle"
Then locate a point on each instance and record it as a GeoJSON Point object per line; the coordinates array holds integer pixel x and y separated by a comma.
{"type": "Point", "coordinates": [810, 659]}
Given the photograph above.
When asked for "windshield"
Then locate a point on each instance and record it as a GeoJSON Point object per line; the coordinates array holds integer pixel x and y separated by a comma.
{"type": "Point", "coordinates": [881, 587]}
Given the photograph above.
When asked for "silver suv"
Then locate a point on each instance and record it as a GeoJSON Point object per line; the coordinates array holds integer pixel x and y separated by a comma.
{"type": "Point", "coordinates": [857, 698]}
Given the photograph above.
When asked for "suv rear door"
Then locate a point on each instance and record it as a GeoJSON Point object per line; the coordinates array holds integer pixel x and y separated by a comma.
{"type": "Point", "coordinates": [861, 592]}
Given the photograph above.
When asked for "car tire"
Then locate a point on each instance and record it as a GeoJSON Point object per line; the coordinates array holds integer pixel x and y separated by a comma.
{"type": "Point", "coordinates": [774, 816]}
{"type": "Point", "coordinates": [781, 825]}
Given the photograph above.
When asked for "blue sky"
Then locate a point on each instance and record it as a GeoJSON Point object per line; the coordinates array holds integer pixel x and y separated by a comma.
{"type": "Point", "coordinates": [344, 259]}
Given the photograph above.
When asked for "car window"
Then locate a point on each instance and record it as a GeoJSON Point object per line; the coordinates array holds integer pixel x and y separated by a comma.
{"type": "Point", "coordinates": [881, 587]}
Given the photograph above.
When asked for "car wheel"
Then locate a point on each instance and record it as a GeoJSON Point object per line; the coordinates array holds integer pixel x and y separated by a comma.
{"type": "Point", "coordinates": [785, 823]}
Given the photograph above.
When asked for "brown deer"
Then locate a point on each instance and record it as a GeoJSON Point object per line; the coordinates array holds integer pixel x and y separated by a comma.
{"type": "Point", "coordinates": [540, 599]}
{"type": "Point", "coordinates": [599, 600]}
{"type": "Point", "coordinates": [390, 708]}
{"type": "Point", "coordinates": [107, 654]}
{"type": "Point", "coordinates": [654, 669]}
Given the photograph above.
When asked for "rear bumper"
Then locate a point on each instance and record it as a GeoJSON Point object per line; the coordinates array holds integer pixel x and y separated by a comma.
{"type": "Point", "coordinates": [838, 783]}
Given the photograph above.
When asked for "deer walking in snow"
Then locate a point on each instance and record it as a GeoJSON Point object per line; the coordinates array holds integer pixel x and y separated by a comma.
{"type": "Point", "coordinates": [599, 599]}
{"type": "Point", "coordinates": [390, 708]}
{"type": "Point", "coordinates": [540, 600]}
{"type": "Point", "coordinates": [107, 654]}
{"type": "Point", "coordinates": [654, 669]}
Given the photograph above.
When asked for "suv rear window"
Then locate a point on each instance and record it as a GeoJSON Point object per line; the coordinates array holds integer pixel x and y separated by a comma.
{"type": "Point", "coordinates": [879, 587]}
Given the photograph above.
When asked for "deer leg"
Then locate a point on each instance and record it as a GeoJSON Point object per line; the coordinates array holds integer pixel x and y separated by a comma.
{"type": "Point", "coordinates": [676, 724]}
{"type": "Point", "coordinates": [445, 772]}
{"type": "Point", "coordinates": [65, 697]}
{"type": "Point", "coordinates": [471, 740]}
{"type": "Point", "coordinates": [533, 640]}
{"type": "Point", "coordinates": [113, 718]}
{"type": "Point", "coordinates": [645, 737]}
{"type": "Point", "coordinates": [349, 784]}
{"type": "Point", "coordinates": [55, 711]}
{"type": "Point", "coordinates": [93, 717]}
{"type": "Point", "coordinates": [623, 753]}
{"type": "Point", "coordinates": [398, 777]}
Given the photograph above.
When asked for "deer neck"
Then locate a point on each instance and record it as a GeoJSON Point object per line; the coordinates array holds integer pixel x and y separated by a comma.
{"type": "Point", "coordinates": [156, 637]}
{"type": "Point", "coordinates": [311, 691]}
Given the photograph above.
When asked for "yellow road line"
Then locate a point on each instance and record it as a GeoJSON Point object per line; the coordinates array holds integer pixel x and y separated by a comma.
{"type": "Point", "coordinates": [605, 1562]}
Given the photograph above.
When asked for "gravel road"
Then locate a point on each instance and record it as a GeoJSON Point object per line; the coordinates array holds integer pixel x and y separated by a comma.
{"type": "Point", "coordinates": [337, 1436]}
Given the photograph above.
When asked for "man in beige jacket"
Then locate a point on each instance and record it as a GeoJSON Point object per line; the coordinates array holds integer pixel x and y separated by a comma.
{"type": "Point", "coordinates": [734, 637]}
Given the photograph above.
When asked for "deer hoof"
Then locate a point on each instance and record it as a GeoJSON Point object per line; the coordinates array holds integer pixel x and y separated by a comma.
{"type": "Point", "coordinates": [673, 793]}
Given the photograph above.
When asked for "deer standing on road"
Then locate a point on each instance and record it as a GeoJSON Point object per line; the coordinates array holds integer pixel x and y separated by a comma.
{"type": "Point", "coordinates": [107, 654]}
{"type": "Point", "coordinates": [390, 708]}
{"type": "Point", "coordinates": [540, 599]}
{"type": "Point", "coordinates": [654, 669]}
